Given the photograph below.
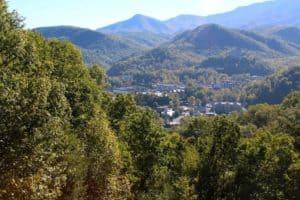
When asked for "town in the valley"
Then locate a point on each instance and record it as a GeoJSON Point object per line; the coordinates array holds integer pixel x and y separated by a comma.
{"type": "Point", "coordinates": [160, 97]}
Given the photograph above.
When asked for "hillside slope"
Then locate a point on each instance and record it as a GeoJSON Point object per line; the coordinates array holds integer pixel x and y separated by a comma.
{"type": "Point", "coordinates": [290, 34]}
{"type": "Point", "coordinates": [96, 47]}
{"type": "Point", "coordinates": [147, 40]}
{"type": "Point", "coordinates": [192, 48]}
{"type": "Point", "coordinates": [182, 23]}
{"type": "Point", "coordinates": [273, 89]}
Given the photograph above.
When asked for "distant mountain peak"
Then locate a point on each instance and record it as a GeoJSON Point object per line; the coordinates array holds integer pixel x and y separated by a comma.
{"type": "Point", "coordinates": [210, 26]}
{"type": "Point", "coordinates": [137, 23]}
{"type": "Point", "coordinates": [140, 16]}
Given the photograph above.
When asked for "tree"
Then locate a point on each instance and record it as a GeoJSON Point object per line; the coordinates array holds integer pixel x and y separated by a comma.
{"type": "Point", "coordinates": [267, 168]}
{"type": "Point", "coordinates": [121, 106]}
{"type": "Point", "coordinates": [274, 88]}
{"type": "Point", "coordinates": [288, 119]}
{"type": "Point", "coordinates": [142, 135]}
{"type": "Point", "coordinates": [55, 139]}
{"type": "Point", "coordinates": [218, 154]}
{"type": "Point", "coordinates": [99, 75]}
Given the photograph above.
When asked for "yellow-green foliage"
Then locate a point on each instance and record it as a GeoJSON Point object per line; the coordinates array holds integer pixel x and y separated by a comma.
{"type": "Point", "coordinates": [55, 138]}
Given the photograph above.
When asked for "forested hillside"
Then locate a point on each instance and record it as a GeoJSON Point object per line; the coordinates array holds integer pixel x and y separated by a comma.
{"type": "Point", "coordinates": [237, 65]}
{"type": "Point", "coordinates": [147, 40]}
{"type": "Point", "coordinates": [62, 137]}
{"type": "Point", "coordinates": [273, 89]}
{"type": "Point", "coordinates": [227, 48]}
{"type": "Point", "coordinates": [290, 34]}
{"type": "Point", "coordinates": [97, 48]}
{"type": "Point", "coordinates": [233, 51]}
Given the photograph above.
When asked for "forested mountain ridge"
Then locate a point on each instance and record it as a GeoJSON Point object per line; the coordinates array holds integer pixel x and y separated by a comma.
{"type": "Point", "coordinates": [193, 48]}
{"type": "Point", "coordinates": [213, 36]}
{"type": "Point", "coordinates": [274, 88]}
{"type": "Point", "coordinates": [147, 40]}
{"type": "Point", "coordinates": [97, 48]}
{"type": "Point", "coordinates": [290, 34]}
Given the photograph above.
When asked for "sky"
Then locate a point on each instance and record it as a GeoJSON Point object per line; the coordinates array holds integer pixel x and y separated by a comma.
{"type": "Point", "coordinates": [98, 13]}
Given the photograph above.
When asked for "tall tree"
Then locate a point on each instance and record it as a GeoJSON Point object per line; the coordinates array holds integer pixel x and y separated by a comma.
{"type": "Point", "coordinates": [142, 134]}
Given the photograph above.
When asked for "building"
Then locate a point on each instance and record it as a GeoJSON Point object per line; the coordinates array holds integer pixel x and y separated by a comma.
{"type": "Point", "coordinates": [165, 111]}
{"type": "Point", "coordinates": [169, 88]}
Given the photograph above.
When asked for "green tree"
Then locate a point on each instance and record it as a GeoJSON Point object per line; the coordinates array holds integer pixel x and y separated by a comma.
{"type": "Point", "coordinates": [267, 168]}
{"type": "Point", "coordinates": [218, 157]}
{"type": "Point", "coordinates": [121, 106]}
{"type": "Point", "coordinates": [99, 75]}
{"type": "Point", "coordinates": [142, 135]}
{"type": "Point", "coordinates": [55, 139]}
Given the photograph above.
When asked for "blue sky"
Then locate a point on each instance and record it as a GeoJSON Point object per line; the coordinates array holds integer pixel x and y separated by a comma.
{"type": "Point", "coordinates": [97, 13]}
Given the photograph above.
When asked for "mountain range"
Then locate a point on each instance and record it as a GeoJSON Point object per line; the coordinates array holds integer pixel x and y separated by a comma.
{"type": "Point", "coordinates": [204, 46]}
{"type": "Point", "coordinates": [211, 46]}
{"type": "Point", "coordinates": [269, 13]}
{"type": "Point", "coordinates": [246, 36]}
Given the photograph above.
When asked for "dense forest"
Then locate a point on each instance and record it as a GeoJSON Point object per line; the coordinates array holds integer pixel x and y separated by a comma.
{"type": "Point", "coordinates": [62, 137]}
{"type": "Point", "coordinates": [211, 46]}
{"type": "Point", "coordinates": [275, 87]}
{"type": "Point", "coordinates": [96, 47]}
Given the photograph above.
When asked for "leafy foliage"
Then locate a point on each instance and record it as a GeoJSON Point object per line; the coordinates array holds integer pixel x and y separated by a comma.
{"type": "Point", "coordinates": [274, 88]}
{"type": "Point", "coordinates": [231, 65]}
{"type": "Point", "coordinates": [55, 138]}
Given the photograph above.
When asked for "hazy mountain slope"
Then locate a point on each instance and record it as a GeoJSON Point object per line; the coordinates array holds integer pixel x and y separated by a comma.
{"type": "Point", "coordinates": [145, 39]}
{"type": "Point", "coordinates": [184, 22]}
{"type": "Point", "coordinates": [137, 23]}
{"type": "Point", "coordinates": [194, 47]}
{"type": "Point", "coordinates": [96, 47]}
{"type": "Point", "coordinates": [276, 44]}
{"type": "Point", "coordinates": [290, 34]}
{"type": "Point", "coordinates": [269, 13]}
